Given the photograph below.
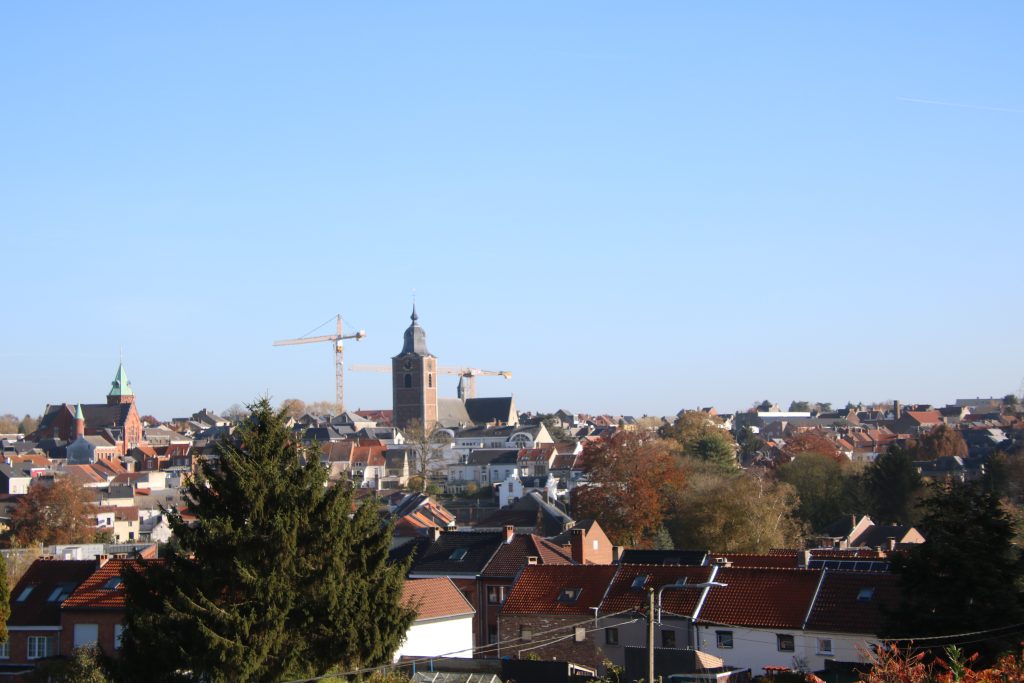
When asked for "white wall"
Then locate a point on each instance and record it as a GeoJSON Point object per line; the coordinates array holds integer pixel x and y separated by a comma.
{"type": "Point", "coordinates": [439, 637]}
{"type": "Point", "coordinates": [756, 649]}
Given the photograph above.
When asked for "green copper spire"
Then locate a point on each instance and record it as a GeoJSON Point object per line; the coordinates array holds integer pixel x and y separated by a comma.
{"type": "Point", "coordinates": [121, 386]}
{"type": "Point", "coordinates": [79, 415]}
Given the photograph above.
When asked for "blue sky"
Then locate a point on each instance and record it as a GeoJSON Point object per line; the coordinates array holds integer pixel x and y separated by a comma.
{"type": "Point", "coordinates": [634, 207]}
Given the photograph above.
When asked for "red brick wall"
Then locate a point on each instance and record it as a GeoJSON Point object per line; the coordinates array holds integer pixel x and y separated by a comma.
{"type": "Point", "coordinates": [106, 621]}
{"type": "Point", "coordinates": [587, 653]}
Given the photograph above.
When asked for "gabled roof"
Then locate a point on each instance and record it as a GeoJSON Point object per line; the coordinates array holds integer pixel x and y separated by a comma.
{"type": "Point", "coordinates": [435, 599]}
{"type": "Point", "coordinates": [458, 553]}
{"type": "Point", "coordinates": [530, 511]}
{"type": "Point", "coordinates": [853, 602]}
{"type": "Point", "coordinates": [495, 456]}
{"type": "Point", "coordinates": [511, 557]}
{"type": "Point", "coordinates": [500, 409]}
{"type": "Point", "coordinates": [629, 589]}
{"type": "Point", "coordinates": [51, 581]}
{"type": "Point", "coordinates": [761, 597]}
{"type": "Point", "coordinates": [102, 590]}
{"type": "Point", "coordinates": [539, 587]}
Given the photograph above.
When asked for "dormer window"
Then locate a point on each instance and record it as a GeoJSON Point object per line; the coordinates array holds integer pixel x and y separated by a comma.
{"type": "Point", "coordinates": [639, 582]}
{"type": "Point", "coordinates": [569, 595]}
{"type": "Point", "coordinates": [458, 554]}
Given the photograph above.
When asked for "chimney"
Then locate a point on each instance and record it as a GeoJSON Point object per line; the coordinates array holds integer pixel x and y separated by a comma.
{"type": "Point", "coordinates": [890, 544]}
{"type": "Point", "coordinates": [897, 410]}
{"type": "Point", "coordinates": [435, 532]}
{"type": "Point", "coordinates": [101, 560]}
{"type": "Point", "coordinates": [510, 532]}
{"type": "Point", "coordinates": [532, 559]}
{"type": "Point", "coordinates": [617, 553]}
{"type": "Point", "coordinates": [576, 543]}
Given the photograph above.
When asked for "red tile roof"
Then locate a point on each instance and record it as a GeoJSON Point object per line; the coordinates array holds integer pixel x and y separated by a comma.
{"type": "Point", "coordinates": [852, 602]}
{"type": "Point", "coordinates": [777, 559]}
{"type": "Point", "coordinates": [765, 597]}
{"type": "Point", "coordinates": [623, 596]}
{"type": "Point", "coordinates": [511, 556]}
{"type": "Point", "coordinates": [539, 586]}
{"type": "Point", "coordinates": [102, 590]}
{"type": "Point", "coordinates": [435, 598]}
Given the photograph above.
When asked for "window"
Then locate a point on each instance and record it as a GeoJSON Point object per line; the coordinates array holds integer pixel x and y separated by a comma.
{"type": "Point", "coordinates": [38, 647]}
{"type": "Point", "coordinates": [786, 643]}
{"type": "Point", "coordinates": [724, 639]}
{"type": "Point", "coordinates": [5, 649]}
{"type": "Point", "coordinates": [611, 636]}
{"type": "Point", "coordinates": [492, 634]}
{"type": "Point", "coordinates": [866, 594]}
{"type": "Point", "coordinates": [25, 593]}
{"type": "Point", "coordinates": [525, 634]}
{"type": "Point", "coordinates": [458, 554]}
{"type": "Point", "coordinates": [496, 594]}
{"type": "Point", "coordinates": [639, 583]}
{"type": "Point", "coordinates": [86, 634]}
{"type": "Point", "coordinates": [430, 380]}
{"type": "Point", "coordinates": [113, 583]}
{"type": "Point", "coordinates": [118, 634]}
{"type": "Point", "coordinates": [824, 646]}
{"type": "Point", "coordinates": [569, 595]}
{"type": "Point", "coordinates": [408, 381]}
{"type": "Point", "coordinates": [668, 638]}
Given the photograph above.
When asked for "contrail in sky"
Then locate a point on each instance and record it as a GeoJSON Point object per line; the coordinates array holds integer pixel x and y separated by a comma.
{"type": "Point", "coordinates": [961, 105]}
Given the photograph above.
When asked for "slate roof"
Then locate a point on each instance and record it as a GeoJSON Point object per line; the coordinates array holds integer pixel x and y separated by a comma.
{"type": "Point", "coordinates": [761, 597]}
{"type": "Point", "coordinates": [530, 511]}
{"type": "Point", "coordinates": [45, 577]}
{"type": "Point", "coordinates": [538, 588]}
{"type": "Point", "coordinates": [451, 412]}
{"type": "Point", "coordinates": [623, 596]}
{"type": "Point", "coordinates": [838, 609]}
{"type": "Point", "coordinates": [101, 415]}
{"type": "Point", "coordinates": [786, 560]}
{"type": "Point", "coordinates": [435, 599]}
{"type": "Point", "coordinates": [493, 456]}
{"type": "Point", "coordinates": [692, 558]}
{"type": "Point", "coordinates": [492, 409]}
{"type": "Point", "coordinates": [441, 558]}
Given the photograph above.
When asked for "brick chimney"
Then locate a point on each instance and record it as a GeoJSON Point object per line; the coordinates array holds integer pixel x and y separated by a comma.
{"type": "Point", "coordinates": [435, 533]}
{"type": "Point", "coordinates": [510, 532]}
{"type": "Point", "coordinates": [576, 544]}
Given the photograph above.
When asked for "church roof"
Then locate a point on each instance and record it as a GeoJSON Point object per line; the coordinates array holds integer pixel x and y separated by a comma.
{"type": "Point", "coordinates": [121, 386]}
{"type": "Point", "coordinates": [488, 410]}
{"type": "Point", "coordinates": [415, 338]}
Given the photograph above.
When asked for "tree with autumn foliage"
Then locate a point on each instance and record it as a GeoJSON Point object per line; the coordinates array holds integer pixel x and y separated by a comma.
{"type": "Point", "coordinates": [632, 479]}
{"type": "Point", "coordinates": [811, 441]}
{"type": "Point", "coordinates": [939, 442]}
{"type": "Point", "coordinates": [53, 515]}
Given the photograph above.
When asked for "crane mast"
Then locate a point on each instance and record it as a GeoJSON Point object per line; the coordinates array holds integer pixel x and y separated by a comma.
{"type": "Point", "coordinates": [337, 341]}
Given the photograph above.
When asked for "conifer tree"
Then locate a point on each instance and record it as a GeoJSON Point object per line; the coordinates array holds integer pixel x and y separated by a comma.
{"type": "Point", "coordinates": [273, 579]}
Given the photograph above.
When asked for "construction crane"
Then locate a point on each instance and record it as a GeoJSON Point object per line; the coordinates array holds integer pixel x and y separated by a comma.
{"type": "Point", "coordinates": [467, 376]}
{"type": "Point", "coordinates": [339, 356]}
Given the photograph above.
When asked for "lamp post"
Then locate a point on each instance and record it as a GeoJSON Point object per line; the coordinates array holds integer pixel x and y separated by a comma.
{"type": "Point", "coordinates": [650, 622]}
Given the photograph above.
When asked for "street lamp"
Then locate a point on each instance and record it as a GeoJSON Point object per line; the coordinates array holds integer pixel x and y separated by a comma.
{"type": "Point", "coordinates": [680, 583]}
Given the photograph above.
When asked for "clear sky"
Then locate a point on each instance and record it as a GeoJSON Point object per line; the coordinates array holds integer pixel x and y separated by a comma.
{"type": "Point", "coordinates": [635, 207]}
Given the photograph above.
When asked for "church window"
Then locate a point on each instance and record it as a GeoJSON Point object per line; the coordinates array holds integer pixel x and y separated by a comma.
{"type": "Point", "coordinates": [430, 380]}
{"type": "Point", "coordinates": [408, 381]}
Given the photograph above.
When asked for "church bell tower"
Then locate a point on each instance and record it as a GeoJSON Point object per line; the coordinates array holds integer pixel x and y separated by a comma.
{"type": "Point", "coordinates": [414, 380]}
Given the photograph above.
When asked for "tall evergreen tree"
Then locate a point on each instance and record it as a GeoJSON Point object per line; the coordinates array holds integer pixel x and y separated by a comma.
{"type": "Point", "coordinates": [964, 576]}
{"type": "Point", "coordinates": [274, 578]}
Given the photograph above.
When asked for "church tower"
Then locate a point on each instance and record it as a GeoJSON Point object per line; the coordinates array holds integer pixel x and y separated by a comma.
{"type": "Point", "coordinates": [120, 388]}
{"type": "Point", "coordinates": [414, 380]}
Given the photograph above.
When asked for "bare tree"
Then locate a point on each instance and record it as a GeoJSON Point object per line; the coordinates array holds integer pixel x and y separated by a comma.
{"type": "Point", "coordinates": [426, 450]}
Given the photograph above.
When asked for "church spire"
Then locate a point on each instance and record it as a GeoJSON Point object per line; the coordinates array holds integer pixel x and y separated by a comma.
{"type": "Point", "coordinates": [120, 388]}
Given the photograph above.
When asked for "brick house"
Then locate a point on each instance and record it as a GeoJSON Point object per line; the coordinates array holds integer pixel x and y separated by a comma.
{"type": "Point", "coordinates": [35, 629]}
{"type": "Point", "coordinates": [94, 612]}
